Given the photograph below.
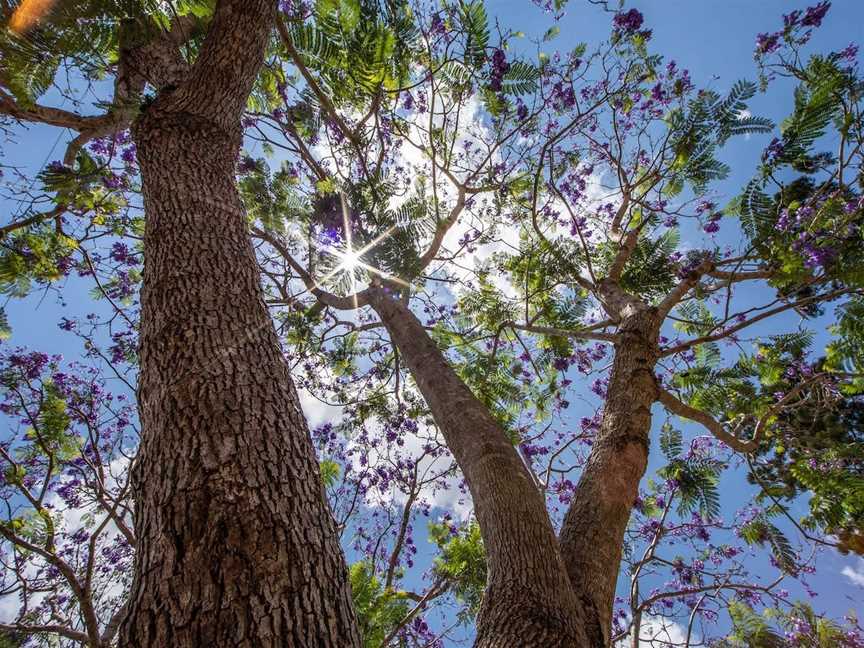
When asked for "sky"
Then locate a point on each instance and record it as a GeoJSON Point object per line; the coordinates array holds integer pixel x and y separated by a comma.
{"type": "Point", "coordinates": [714, 39]}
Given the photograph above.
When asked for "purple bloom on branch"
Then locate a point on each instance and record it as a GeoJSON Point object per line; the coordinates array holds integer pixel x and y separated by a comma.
{"type": "Point", "coordinates": [767, 43]}
{"type": "Point", "coordinates": [814, 15]}
{"type": "Point", "coordinates": [629, 21]}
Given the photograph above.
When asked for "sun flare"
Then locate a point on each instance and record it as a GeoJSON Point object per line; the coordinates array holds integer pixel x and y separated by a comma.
{"type": "Point", "coordinates": [28, 14]}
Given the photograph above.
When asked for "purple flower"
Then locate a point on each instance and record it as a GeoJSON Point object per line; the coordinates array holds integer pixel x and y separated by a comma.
{"type": "Point", "coordinates": [246, 165]}
{"type": "Point", "coordinates": [818, 256]}
{"type": "Point", "coordinates": [767, 43]}
{"type": "Point", "coordinates": [849, 52]}
{"type": "Point", "coordinates": [704, 206]}
{"type": "Point", "coordinates": [121, 254]}
{"type": "Point", "coordinates": [774, 152]}
{"type": "Point", "coordinates": [128, 155]}
{"type": "Point", "coordinates": [114, 181]}
{"type": "Point", "coordinates": [628, 22]}
{"type": "Point", "coordinates": [499, 69]}
{"type": "Point", "coordinates": [813, 15]}
{"type": "Point", "coordinates": [437, 25]}
{"type": "Point", "coordinates": [791, 19]}
{"type": "Point", "coordinates": [599, 387]}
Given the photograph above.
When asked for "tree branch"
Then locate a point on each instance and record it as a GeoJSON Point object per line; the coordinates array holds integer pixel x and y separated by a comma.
{"type": "Point", "coordinates": [32, 220]}
{"type": "Point", "coordinates": [678, 348]}
{"type": "Point", "coordinates": [63, 631]}
{"type": "Point", "coordinates": [716, 428]}
{"type": "Point", "coordinates": [684, 286]}
{"type": "Point", "coordinates": [576, 333]}
{"type": "Point", "coordinates": [442, 229]}
{"type": "Point", "coordinates": [322, 97]}
{"type": "Point", "coordinates": [218, 85]}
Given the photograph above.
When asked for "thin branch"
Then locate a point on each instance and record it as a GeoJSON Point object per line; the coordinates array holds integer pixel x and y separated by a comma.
{"type": "Point", "coordinates": [706, 420]}
{"type": "Point", "coordinates": [574, 333]}
{"type": "Point", "coordinates": [63, 631]}
{"type": "Point", "coordinates": [678, 348]}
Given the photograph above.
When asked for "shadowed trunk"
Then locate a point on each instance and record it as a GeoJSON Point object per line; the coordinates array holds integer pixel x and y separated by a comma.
{"type": "Point", "coordinates": [236, 543]}
{"type": "Point", "coordinates": [528, 600]}
{"type": "Point", "coordinates": [593, 531]}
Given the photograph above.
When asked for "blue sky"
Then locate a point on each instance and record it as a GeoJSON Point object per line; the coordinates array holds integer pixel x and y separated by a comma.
{"type": "Point", "coordinates": [713, 39]}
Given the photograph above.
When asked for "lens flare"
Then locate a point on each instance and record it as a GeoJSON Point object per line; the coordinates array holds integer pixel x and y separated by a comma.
{"type": "Point", "coordinates": [28, 14]}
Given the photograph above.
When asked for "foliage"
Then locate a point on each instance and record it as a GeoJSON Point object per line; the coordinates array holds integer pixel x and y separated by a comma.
{"type": "Point", "coordinates": [378, 608]}
{"type": "Point", "coordinates": [461, 562]}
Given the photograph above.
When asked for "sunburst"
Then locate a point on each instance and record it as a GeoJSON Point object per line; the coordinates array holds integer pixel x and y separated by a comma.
{"type": "Point", "coordinates": [350, 260]}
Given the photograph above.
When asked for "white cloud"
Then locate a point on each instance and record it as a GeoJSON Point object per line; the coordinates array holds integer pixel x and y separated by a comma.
{"type": "Point", "coordinates": [316, 411]}
{"type": "Point", "coordinates": [855, 574]}
{"type": "Point", "coordinates": [657, 632]}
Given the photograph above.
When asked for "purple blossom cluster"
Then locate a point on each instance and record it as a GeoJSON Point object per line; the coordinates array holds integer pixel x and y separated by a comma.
{"type": "Point", "coordinates": [821, 227]}
{"type": "Point", "coordinates": [797, 29]}
{"type": "Point", "coordinates": [629, 21]}
{"type": "Point", "coordinates": [64, 455]}
{"type": "Point", "coordinates": [498, 67]}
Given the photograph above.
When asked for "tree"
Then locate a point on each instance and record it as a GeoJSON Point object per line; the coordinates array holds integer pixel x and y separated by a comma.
{"type": "Point", "coordinates": [632, 273]}
{"type": "Point", "coordinates": [400, 125]}
{"type": "Point", "coordinates": [234, 541]}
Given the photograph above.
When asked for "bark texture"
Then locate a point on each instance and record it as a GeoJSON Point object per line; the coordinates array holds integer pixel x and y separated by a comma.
{"type": "Point", "coordinates": [528, 600]}
{"type": "Point", "coordinates": [593, 531]}
{"type": "Point", "coordinates": [236, 543]}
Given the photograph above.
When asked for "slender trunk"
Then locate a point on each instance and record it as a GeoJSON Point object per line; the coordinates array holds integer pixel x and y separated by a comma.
{"type": "Point", "coordinates": [593, 531]}
{"type": "Point", "coordinates": [528, 600]}
{"type": "Point", "coordinates": [236, 543]}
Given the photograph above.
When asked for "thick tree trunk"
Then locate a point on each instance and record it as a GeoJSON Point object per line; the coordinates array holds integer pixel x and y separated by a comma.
{"type": "Point", "coordinates": [593, 531]}
{"type": "Point", "coordinates": [236, 543]}
{"type": "Point", "coordinates": [528, 600]}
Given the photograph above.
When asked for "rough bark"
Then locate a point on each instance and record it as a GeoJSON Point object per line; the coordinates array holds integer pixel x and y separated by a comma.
{"type": "Point", "coordinates": [528, 600]}
{"type": "Point", "coordinates": [236, 543]}
{"type": "Point", "coordinates": [593, 531]}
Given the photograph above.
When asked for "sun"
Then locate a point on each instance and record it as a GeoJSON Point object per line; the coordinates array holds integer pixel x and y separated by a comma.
{"type": "Point", "coordinates": [350, 260]}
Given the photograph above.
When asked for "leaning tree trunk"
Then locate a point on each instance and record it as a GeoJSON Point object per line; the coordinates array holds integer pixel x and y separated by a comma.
{"type": "Point", "coordinates": [528, 600]}
{"type": "Point", "coordinates": [593, 531]}
{"type": "Point", "coordinates": [236, 543]}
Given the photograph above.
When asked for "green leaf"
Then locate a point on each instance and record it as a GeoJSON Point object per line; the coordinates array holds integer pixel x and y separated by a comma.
{"type": "Point", "coordinates": [551, 33]}
{"type": "Point", "coordinates": [5, 329]}
{"type": "Point", "coordinates": [329, 472]}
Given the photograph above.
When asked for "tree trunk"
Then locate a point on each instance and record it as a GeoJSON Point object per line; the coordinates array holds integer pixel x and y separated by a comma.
{"type": "Point", "coordinates": [236, 543]}
{"type": "Point", "coordinates": [528, 600]}
{"type": "Point", "coordinates": [593, 531]}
